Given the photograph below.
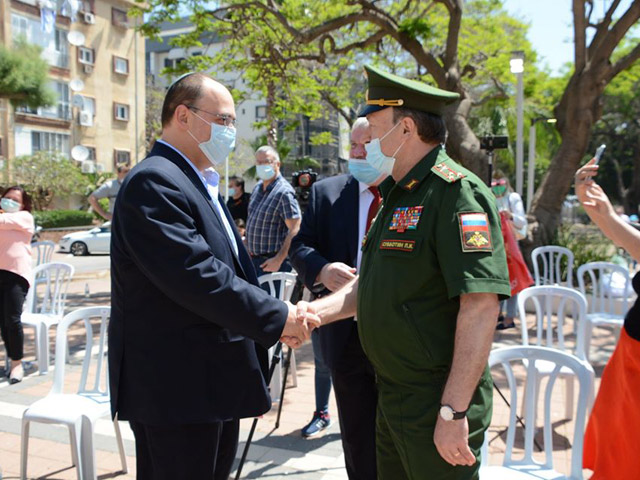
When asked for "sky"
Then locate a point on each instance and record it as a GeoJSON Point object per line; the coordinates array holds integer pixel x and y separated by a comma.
{"type": "Point", "coordinates": [551, 30]}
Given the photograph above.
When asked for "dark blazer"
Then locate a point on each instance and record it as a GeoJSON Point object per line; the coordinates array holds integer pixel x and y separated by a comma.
{"type": "Point", "coordinates": [185, 309]}
{"type": "Point", "coordinates": [328, 233]}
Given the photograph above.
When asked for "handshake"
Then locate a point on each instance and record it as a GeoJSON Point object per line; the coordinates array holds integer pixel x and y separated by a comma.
{"type": "Point", "coordinates": [301, 321]}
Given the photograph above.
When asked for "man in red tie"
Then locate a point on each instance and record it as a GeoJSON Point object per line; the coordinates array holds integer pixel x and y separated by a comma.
{"type": "Point", "coordinates": [326, 253]}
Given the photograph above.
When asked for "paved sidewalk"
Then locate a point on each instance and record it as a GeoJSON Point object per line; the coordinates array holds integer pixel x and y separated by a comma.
{"type": "Point", "coordinates": [275, 454]}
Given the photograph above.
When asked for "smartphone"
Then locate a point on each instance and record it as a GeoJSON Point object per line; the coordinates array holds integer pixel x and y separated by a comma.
{"type": "Point", "coordinates": [600, 150]}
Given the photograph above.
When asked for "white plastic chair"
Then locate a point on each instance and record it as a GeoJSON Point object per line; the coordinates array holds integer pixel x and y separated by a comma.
{"type": "Point", "coordinates": [43, 250]}
{"type": "Point", "coordinates": [45, 305]}
{"type": "Point", "coordinates": [546, 301]}
{"type": "Point", "coordinates": [528, 468]}
{"type": "Point", "coordinates": [550, 258]}
{"type": "Point", "coordinates": [78, 411]}
{"type": "Point", "coordinates": [280, 286]}
{"type": "Point", "coordinates": [602, 308]}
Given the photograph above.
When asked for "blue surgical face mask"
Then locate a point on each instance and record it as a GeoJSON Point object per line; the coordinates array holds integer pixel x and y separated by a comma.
{"type": "Point", "coordinates": [220, 144]}
{"type": "Point", "coordinates": [379, 160]}
{"type": "Point", "coordinates": [363, 172]}
{"type": "Point", "coordinates": [9, 206]}
{"type": "Point", "coordinates": [265, 172]}
{"type": "Point", "coordinates": [232, 191]}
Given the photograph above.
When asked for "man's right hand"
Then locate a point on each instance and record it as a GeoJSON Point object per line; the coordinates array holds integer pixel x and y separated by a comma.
{"type": "Point", "coordinates": [336, 275]}
{"type": "Point", "coordinates": [297, 328]}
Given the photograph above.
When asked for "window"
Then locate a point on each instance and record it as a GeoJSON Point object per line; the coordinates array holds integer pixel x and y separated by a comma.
{"type": "Point", "coordinates": [86, 55]}
{"type": "Point", "coordinates": [169, 63]}
{"type": "Point", "coordinates": [19, 27]}
{"type": "Point", "coordinates": [89, 105]}
{"type": "Point", "coordinates": [92, 153]}
{"type": "Point", "coordinates": [121, 157]}
{"type": "Point", "coordinates": [119, 18]}
{"type": "Point", "coordinates": [261, 112]}
{"type": "Point", "coordinates": [86, 6]}
{"type": "Point", "coordinates": [61, 110]}
{"type": "Point", "coordinates": [60, 57]}
{"type": "Point", "coordinates": [49, 141]}
{"type": "Point", "coordinates": [121, 111]}
{"type": "Point", "coordinates": [196, 53]}
{"type": "Point", "coordinates": [120, 65]}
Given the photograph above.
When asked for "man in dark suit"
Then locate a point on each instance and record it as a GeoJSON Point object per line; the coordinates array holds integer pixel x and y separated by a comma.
{"type": "Point", "coordinates": [189, 326]}
{"type": "Point", "coordinates": [326, 254]}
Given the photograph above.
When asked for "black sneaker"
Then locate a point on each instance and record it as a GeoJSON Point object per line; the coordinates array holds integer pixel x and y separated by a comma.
{"type": "Point", "coordinates": [320, 421]}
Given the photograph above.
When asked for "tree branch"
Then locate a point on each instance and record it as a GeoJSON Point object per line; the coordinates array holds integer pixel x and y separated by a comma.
{"type": "Point", "coordinates": [615, 35]}
{"type": "Point", "coordinates": [625, 62]}
{"type": "Point", "coordinates": [333, 104]}
{"type": "Point", "coordinates": [603, 28]}
{"type": "Point", "coordinates": [453, 33]}
{"type": "Point", "coordinates": [579, 29]}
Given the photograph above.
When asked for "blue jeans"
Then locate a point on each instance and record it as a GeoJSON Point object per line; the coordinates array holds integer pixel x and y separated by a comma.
{"type": "Point", "coordinates": [511, 307]}
{"type": "Point", "coordinates": [322, 376]}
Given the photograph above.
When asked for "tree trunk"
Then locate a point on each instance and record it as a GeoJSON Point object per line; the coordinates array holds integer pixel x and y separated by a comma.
{"type": "Point", "coordinates": [577, 111]}
{"type": "Point", "coordinates": [462, 144]}
{"type": "Point", "coordinates": [272, 131]}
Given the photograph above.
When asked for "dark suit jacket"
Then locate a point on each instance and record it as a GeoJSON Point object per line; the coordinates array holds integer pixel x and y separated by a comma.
{"type": "Point", "coordinates": [328, 233]}
{"type": "Point", "coordinates": [185, 309]}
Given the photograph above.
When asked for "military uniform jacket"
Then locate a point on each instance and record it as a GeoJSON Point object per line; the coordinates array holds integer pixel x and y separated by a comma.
{"type": "Point", "coordinates": [436, 236]}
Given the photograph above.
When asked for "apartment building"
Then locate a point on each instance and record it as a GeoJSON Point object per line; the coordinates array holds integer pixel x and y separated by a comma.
{"type": "Point", "coordinates": [96, 69]}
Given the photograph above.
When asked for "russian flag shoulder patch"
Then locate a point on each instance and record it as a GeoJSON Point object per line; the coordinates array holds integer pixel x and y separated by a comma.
{"type": "Point", "coordinates": [475, 234]}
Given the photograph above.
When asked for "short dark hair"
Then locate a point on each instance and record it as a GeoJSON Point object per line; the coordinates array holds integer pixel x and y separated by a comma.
{"type": "Point", "coordinates": [240, 223]}
{"type": "Point", "coordinates": [122, 167]}
{"type": "Point", "coordinates": [186, 90]}
{"type": "Point", "coordinates": [26, 198]}
{"type": "Point", "coordinates": [431, 127]}
{"type": "Point", "coordinates": [239, 181]}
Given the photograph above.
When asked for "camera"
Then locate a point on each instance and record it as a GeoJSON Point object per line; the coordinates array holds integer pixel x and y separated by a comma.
{"type": "Point", "coordinates": [494, 142]}
{"type": "Point", "coordinates": [302, 182]}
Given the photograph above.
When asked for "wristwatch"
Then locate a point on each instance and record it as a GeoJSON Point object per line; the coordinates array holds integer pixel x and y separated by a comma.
{"type": "Point", "coordinates": [448, 413]}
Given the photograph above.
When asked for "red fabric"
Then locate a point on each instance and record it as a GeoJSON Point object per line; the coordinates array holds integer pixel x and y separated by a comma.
{"type": "Point", "coordinates": [375, 204]}
{"type": "Point", "coordinates": [612, 439]}
{"type": "Point", "coordinates": [519, 276]}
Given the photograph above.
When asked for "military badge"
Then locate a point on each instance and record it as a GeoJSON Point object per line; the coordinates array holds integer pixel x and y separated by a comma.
{"type": "Point", "coordinates": [474, 232]}
{"type": "Point", "coordinates": [405, 218]}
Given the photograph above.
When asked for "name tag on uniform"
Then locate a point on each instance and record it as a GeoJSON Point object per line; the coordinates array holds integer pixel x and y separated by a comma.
{"type": "Point", "coordinates": [400, 245]}
{"type": "Point", "coordinates": [405, 218]}
{"type": "Point", "coordinates": [474, 232]}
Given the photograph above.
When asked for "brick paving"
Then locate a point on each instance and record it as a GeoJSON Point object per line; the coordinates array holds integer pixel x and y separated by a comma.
{"type": "Point", "coordinates": [274, 454]}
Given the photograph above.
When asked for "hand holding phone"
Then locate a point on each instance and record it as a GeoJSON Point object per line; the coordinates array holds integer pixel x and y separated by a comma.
{"type": "Point", "coordinates": [600, 150]}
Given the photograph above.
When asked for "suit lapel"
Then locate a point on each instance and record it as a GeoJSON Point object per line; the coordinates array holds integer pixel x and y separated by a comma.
{"type": "Point", "coordinates": [170, 154]}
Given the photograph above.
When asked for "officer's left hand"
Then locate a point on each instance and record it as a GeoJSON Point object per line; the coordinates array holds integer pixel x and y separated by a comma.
{"type": "Point", "coordinates": [452, 441]}
{"type": "Point", "coordinates": [271, 265]}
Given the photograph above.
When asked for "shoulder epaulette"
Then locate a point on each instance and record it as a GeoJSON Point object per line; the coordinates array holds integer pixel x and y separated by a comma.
{"type": "Point", "coordinates": [447, 171]}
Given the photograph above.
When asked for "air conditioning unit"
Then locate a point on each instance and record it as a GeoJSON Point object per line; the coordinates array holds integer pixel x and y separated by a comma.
{"type": "Point", "coordinates": [89, 18]}
{"type": "Point", "coordinates": [85, 118]}
{"type": "Point", "coordinates": [88, 166]}
{"type": "Point", "coordinates": [88, 69]}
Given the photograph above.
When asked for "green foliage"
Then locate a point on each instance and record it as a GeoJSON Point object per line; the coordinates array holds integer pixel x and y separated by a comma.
{"type": "Point", "coordinates": [62, 218]}
{"type": "Point", "coordinates": [45, 175]}
{"type": "Point", "coordinates": [24, 76]}
{"type": "Point", "coordinates": [586, 242]}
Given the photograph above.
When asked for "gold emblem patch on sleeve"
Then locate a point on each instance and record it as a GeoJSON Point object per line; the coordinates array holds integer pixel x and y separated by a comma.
{"type": "Point", "coordinates": [474, 232]}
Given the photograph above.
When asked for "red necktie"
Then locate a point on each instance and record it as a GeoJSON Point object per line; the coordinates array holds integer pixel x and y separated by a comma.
{"type": "Point", "coordinates": [375, 204]}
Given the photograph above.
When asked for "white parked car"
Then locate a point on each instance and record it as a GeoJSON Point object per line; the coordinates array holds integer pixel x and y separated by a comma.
{"type": "Point", "coordinates": [96, 240]}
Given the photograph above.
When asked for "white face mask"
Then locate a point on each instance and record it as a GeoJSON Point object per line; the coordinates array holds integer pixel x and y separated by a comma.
{"type": "Point", "coordinates": [9, 205]}
{"type": "Point", "coordinates": [379, 160]}
{"type": "Point", "coordinates": [220, 144]}
{"type": "Point", "coordinates": [265, 172]}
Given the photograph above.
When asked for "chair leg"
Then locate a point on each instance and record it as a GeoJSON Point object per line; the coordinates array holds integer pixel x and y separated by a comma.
{"type": "Point", "coordinates": [123, 457]}
{"type": "Point", "coordinates": [568, 407]}
{"type": "Point", "coordinates": [45, 348]}
{"type": "Point", "coordinates": [75, 434]}
{"type": "Point", "coordinates": [87, 451]}
{"type": "Point", "coordinates": [588, 333]}
{"type": "Point", "coordinates": [294, 370]}
{"type": "Point", "coordinates": [24, 449]}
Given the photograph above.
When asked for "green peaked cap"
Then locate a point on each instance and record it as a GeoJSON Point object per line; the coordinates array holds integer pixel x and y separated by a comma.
{"type": "Point", "coordinates": [389, 90]}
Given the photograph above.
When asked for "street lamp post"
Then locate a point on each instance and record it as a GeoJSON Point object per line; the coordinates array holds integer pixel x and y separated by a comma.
{"type": "Point", "coordinates": [516, 65]}
{"type": "Point", "coordinates": [532, 158]}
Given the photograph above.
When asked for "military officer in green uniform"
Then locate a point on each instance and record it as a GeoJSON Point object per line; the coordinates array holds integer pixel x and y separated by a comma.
{"type": "Point", "coordinates": [433, 270]}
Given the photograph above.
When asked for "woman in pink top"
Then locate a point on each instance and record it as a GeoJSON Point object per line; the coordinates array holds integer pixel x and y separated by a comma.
{"type": "Point", "coordinates": [16, 230]}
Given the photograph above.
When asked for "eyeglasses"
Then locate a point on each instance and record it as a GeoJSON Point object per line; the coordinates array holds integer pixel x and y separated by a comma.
{"type": "Point", "coordinates": [227, 120]}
